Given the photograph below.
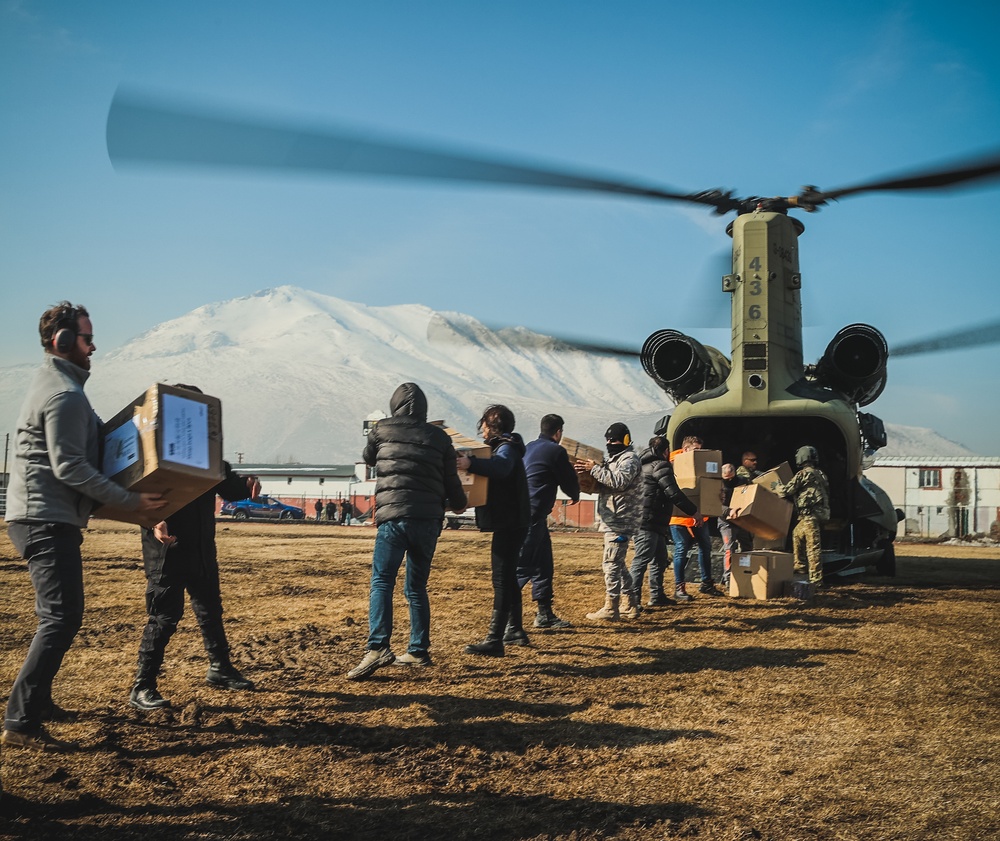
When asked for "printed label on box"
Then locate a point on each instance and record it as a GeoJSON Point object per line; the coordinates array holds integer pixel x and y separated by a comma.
{"type": "Point", "coordinates": [185, 431]}
{"type": "Point", "coordinates": [745, 561]}
{"type": "Point", "coordinates": [121, 449]}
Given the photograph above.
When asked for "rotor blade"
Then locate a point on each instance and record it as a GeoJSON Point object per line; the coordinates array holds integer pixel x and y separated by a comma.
{"type": "Point", "coordinates": [986, 334]}
{"type": "Point", "coordinates": [144, 131]}
{"type": "Point", "coordinates": [970, 170]}
{"type": "Point", "coordinates": [442, 329]}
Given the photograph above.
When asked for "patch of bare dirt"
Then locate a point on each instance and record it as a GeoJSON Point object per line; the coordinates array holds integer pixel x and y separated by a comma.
{"type": "Point", "coordinates": [868, 713]}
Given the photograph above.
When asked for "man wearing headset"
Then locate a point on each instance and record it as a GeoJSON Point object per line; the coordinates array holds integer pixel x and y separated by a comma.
{"type": "Point", "coordinates": [55, 483]}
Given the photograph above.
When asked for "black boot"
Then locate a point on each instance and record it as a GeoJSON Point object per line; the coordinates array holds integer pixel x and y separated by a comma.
{"type": "Point", "coordinates": [144, 695]}
{"type": "Point", "coordinates": [514, 634]}
{"type": "Point", "coordinates": [223, 674]}
{"type": "Point", "coordinates": [546, 618]}
{"type": "Point", "coordinates": [492, 645]}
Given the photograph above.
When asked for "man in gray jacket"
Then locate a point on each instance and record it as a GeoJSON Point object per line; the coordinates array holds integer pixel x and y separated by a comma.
{"type": "Point", "coordinates": [55, 483]}
{"type": "Point", "coordinates": [619, 507]}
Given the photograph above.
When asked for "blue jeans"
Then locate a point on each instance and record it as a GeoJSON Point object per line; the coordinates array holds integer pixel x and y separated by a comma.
{"type": "Point", "coordinates": [417, 540]}
{"type": "Point", "coordinates": [52, 551]}
{"type": "Point", "coordinates": [683, 541]}
{"type": "Point", "coordinates": [651, 553]}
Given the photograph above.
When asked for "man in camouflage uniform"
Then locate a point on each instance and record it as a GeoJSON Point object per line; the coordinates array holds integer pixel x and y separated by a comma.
{"type": "Point", "coordinates": [619, 508]}
{"type": "Point", "coordinates": [809, 492]}
{"type": "Point", "coordinates": [748, 468]}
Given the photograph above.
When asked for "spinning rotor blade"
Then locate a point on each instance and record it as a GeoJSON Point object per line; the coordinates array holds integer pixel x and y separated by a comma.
{"type": "Point", "coordinates": [441, 329]}
{"type": "Point", "coordinates": [143, 131]}
{"type": "Point", "coordinates": [970, 170]}
{"type": "Point", "coordinates": [987, 334]}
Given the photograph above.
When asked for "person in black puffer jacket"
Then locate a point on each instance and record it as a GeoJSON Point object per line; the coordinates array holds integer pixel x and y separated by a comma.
{"type": "Point", "coordinates": [659, 495]}
{"type": "Point", "coordinates": [507, 513]}
{"type": "Point", "coordinates": [415, 478]}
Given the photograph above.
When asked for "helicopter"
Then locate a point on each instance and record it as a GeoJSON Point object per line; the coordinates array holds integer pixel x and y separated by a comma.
{"type": "Point", "coordinates": [761, 397]}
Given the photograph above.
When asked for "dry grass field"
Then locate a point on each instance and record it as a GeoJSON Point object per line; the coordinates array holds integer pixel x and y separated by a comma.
{"type": "Point", "coordinates": [870, 713]}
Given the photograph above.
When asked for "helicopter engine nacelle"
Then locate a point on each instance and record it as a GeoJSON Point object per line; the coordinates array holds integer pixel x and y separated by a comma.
{"type": "Point", "coordinates": [854, 363]}
{"type": "Point", "coordinates": [682, 366]}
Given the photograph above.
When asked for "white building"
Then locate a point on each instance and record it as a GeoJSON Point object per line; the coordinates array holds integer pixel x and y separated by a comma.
{"type": "Point", "coordinates": [951, 496]}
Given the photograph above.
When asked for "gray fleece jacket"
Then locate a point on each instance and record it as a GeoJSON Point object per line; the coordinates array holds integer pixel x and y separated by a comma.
{"type": "Point", "coordinates": [55, 477]}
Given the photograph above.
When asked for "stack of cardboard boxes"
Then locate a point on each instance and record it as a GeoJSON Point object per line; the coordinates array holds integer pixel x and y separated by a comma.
{"type": "Point", "coordinates": [766, 572]}
{"type": "Point", "coordinates": [699, 476]}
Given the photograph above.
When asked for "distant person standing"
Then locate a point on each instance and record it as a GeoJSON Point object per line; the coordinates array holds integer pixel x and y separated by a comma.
{"type": "Point", "coordinates": [619, 507]}
{"type": "Point", "coordinates": [547, 468]}
{"type": "Point", "coordinates": [345, 513]}
{"type": "Point", "coordinates": [318, 507]}
{"type": "Point", "coordinates": [809, 491]}
{"type": "Point", "coordinates": [415, 478]}
{"type": "Point", "coordinates": [506, 514]}
{"type": "Point", "coordinates": [179, 554]}
{"type": "Point", "coordinates": [660, 495]}
{"type": "Point", "coordinates": [55, 484]}
{"type": "Point", "coordinates": [331, 511]}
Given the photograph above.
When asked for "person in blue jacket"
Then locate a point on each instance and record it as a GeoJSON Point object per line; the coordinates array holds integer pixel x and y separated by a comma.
{"type": "Point", "coordinates": [547, 467]}
{"type": "Point", "coordinates": [506, 514]}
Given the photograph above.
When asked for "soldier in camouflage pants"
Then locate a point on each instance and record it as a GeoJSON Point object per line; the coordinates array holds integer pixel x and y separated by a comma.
{"type": "Point", "coordinates": [809, 492]}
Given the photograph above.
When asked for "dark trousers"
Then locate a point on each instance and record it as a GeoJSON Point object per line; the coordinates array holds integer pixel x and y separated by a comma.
{"type": "Point", "coordinates": [535, 563]}
{"type": "Point", "coordinates": [504, 553]}
{"type": "Point", "coordinates": [167, 580]}
{"type": "Point", "coordinates": [52, 551]}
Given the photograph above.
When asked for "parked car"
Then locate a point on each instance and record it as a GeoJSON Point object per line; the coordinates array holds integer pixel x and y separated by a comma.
{"type": "Point", "coordinates": [262, 508]}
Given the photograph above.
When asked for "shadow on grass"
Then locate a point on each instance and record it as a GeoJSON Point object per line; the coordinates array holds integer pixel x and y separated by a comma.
{"type": "Point", "coordinates": [479, 815]}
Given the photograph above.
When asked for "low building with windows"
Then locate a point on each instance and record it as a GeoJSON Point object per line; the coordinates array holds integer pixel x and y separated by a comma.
{"type": "Point", "coordinates": [948, 496]}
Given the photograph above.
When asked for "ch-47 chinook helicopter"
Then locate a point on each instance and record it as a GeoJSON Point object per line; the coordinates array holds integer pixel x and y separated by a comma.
{"type": "Point", "coordinates": [763, 397]}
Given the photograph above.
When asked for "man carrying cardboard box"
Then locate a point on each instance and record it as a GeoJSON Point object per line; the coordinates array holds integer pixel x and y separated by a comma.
{"type": "Point", "coordinates": [55, 483]}
{"type": "Point", "coordinates": [809, 491]}
{"type": "Point", "coordinates": [687, 530]}
{"type": "Point", "coordinates": [179, 554]}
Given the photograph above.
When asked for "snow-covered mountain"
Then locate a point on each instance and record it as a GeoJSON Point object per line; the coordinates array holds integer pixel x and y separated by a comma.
{"type": "Point", "coordinates": [298, 372]}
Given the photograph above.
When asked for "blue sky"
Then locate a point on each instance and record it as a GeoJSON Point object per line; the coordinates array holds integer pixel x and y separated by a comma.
{"type": "Point", "coordinates": [690, 97]}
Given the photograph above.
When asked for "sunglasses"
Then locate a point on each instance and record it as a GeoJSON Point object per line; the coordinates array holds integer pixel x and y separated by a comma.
{"type": "Point", "coordinates": [87, 337]}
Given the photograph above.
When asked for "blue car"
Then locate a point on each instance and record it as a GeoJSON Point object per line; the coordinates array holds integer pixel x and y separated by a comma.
{"type": "Point", "coordinates": [262, 508]}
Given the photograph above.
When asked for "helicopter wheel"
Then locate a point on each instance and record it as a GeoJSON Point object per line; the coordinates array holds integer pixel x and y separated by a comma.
{"type": "Point", "coordinates": [886, 565]}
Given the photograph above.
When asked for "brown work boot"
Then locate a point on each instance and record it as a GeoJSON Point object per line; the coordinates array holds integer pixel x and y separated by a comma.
{"type": "Point", "coordinates": [33, 740]}
{"type": "Point", "coordinates": [632, 608]}
{"type": "Point", "coordinates": [608, 613]}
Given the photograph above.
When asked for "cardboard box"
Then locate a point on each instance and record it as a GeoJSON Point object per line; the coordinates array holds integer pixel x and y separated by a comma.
{"type": "Point", "coordinates": [581, 452]}
{"type": "Point", "coordinates": [697, 464]}
{"type": "Point", "coordinates": [760, 575]}
{"type": "Point", "coordinates": [769, 478]}
{"type": "Point", "coordinates": [167, 441]}
{"type": "Point", "coordinates": [707, 495]}
{"type": "Point", "coordinates": [475, 486]}
{"type": "Point", "coordinates": [760, 512]}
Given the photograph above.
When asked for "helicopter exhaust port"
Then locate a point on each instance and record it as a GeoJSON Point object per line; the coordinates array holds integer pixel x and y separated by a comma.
{"type": "Point", "coordinates": [682, 366]}
{"type": "Point", "coordinates": [854, 363]}
{"type": "Point", "coordinates": [756, 381]}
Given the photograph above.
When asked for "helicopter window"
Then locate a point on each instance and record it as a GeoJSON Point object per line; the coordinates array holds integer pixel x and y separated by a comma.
{"type": "Point", "coordinates": [930, 477]}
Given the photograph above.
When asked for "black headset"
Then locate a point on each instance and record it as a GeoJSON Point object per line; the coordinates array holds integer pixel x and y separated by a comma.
{"type": "Point", "coordinates": [66, 332]}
